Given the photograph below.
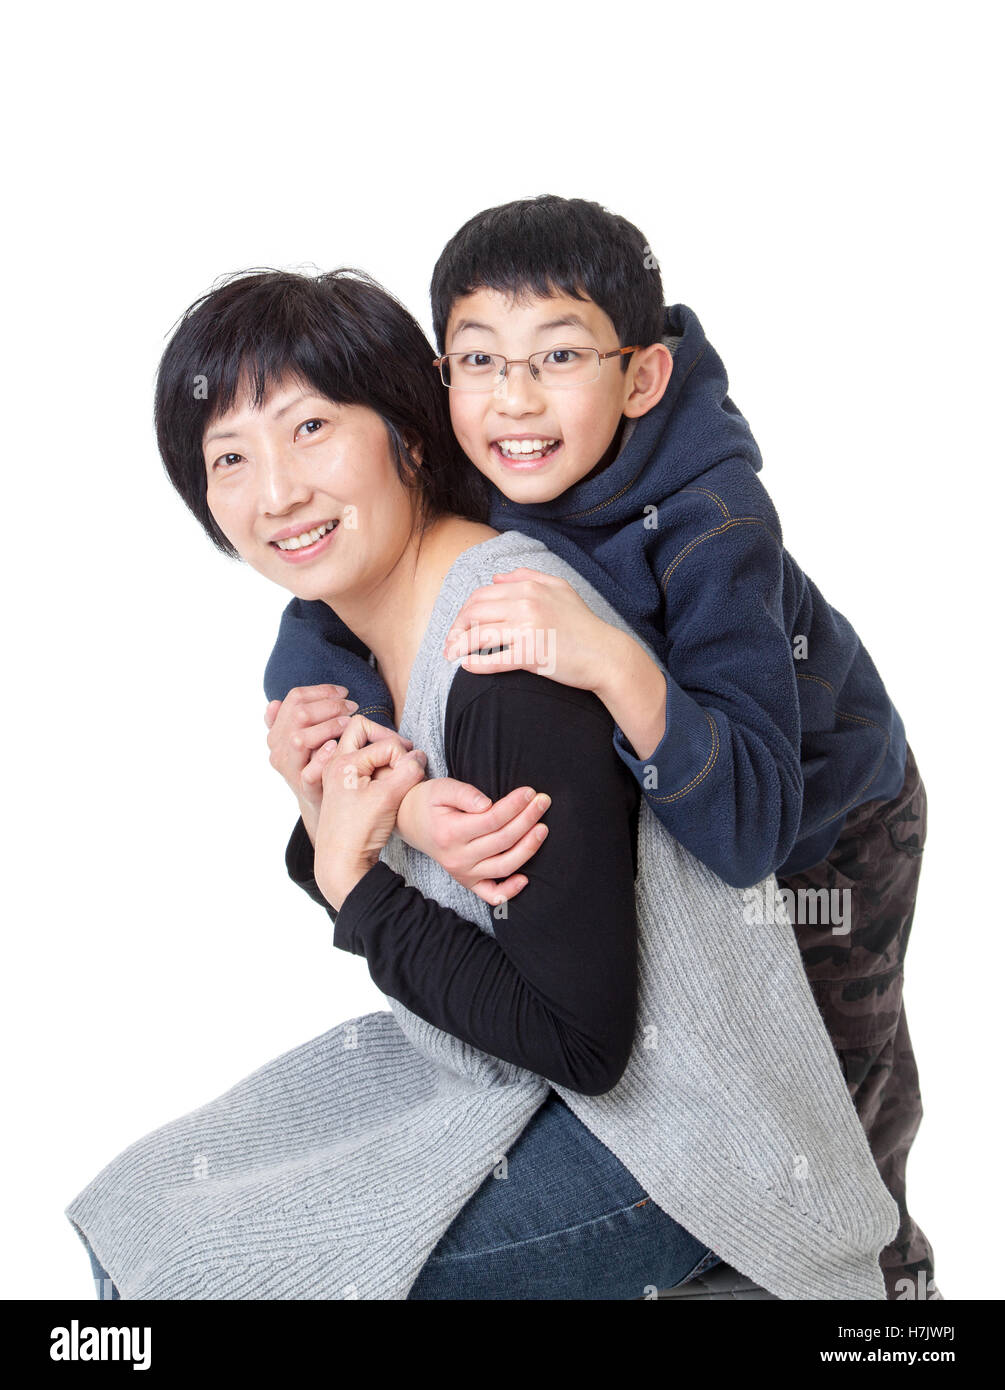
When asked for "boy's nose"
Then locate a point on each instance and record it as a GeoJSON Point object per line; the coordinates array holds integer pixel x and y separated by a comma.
{"type": "Point", "coordinates": [517, 392]}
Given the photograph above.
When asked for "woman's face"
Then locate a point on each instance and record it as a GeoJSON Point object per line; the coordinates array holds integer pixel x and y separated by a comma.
{"type": "Point", "coordinates": [297, 463]}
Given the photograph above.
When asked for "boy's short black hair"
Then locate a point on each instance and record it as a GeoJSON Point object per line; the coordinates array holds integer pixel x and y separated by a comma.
{"type": "Point", "coordinates": [547, 245]}
{"type": "Point", "coordinates": [342, 334]}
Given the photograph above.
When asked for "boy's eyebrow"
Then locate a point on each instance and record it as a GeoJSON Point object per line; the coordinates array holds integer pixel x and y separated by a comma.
{"type": "Point", "coordinates": [566, 321]}
{"type": "Point", "coordinates": [470, 323]}
{"type": "Point", "coordinates": [232, 434]}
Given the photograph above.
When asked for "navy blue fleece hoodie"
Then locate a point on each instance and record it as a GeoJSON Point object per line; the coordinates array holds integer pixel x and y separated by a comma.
{"type": "Point", "coordinates": [777, 722]}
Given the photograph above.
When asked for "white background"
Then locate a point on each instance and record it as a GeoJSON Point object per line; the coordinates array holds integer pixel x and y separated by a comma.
{"type": "Point", "coordinates": [820, 186]}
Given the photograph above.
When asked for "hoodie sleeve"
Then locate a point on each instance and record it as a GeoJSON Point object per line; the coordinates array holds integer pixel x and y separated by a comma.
{"type": "Point", "coordinates": [726, 779]}
{"type": "Point", "coordinates": [314, 647]}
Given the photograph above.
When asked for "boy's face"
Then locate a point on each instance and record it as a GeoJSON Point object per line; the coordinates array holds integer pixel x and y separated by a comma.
{"type": "Point", "coordinates": [575, 425]}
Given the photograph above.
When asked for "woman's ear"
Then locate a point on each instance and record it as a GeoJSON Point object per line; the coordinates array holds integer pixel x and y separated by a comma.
{"type": "Point", "coordinates": [414, 447]}
{"type": "Point", "coordinates": [649, 377]}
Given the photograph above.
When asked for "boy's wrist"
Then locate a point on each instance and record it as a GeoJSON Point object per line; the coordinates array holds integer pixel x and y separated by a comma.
{"type": "Point", "coordinates": [611, 649]}
{"type": "Point", "coordinates": [407, 823]}
{"type": "Point", "coordinates": [634, 690]}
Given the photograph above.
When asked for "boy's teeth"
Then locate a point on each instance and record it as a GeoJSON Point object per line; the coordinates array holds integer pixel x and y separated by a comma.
{"type": "Point", "coordinates": [525, 446]}
{"type": "Point", "coordinates": [305, 538]}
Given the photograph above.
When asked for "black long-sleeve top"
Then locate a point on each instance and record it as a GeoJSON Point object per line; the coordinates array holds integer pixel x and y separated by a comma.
{"type": "Point", "coordinates": [555, 989]}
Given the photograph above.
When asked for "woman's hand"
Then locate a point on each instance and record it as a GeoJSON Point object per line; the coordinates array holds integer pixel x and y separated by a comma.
{"type": "Point", "coordinates": [363, 784]}
{"type": "Point", "coordinates": [542, 622]}
{"type": "Point", "coordinates": [475, 841]}
{"type": "Point", "coordinates": [309, 717]}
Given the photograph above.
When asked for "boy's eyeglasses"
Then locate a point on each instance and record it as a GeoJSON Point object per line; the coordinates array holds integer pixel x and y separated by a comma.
{"type": "Point", "coordinates": [554, 368]}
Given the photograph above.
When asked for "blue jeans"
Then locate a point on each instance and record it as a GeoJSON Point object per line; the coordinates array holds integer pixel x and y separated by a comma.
{"type": "Point", "coordinates": [567, 1221]}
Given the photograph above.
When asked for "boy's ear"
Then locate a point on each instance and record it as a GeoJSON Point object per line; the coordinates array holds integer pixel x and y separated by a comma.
{"type": "Point", "coordinates": [649, 376]}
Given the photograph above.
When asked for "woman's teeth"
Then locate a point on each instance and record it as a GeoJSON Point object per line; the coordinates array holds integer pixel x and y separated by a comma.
{"type": "Point", "coordinates": [307, 537]}
{"type": "Point", "coordinates": [525, 448]}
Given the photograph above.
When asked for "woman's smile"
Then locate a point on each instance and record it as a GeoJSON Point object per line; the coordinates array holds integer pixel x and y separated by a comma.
{"type": "Point", "coordinates": [295, 554]}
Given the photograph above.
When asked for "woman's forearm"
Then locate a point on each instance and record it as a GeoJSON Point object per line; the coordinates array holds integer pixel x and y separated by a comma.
{"type": "Point", "coordinates": [309, 818]}
{"type": "Point", "coordinates": [554, 989]}
{"type": "Point", "coordinates": [454, 975]}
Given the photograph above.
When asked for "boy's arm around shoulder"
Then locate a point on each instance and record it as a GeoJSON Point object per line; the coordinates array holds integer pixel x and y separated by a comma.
{"type": "Point", "coordinates": [314, 647]}
{"type": "Point", "coordinates": [726, 778]}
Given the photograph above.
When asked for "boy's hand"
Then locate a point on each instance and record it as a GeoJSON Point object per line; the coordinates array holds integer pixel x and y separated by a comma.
{"type": "Point", "coordinates": [543, 624]}
{"type": "Point", "coordinates": [443, 819]}
{"type": "Point", "coordinates": [310, 717]}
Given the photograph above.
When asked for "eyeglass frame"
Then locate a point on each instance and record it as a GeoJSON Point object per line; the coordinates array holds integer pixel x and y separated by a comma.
{"type": "Point", "coordinates": [525, 362]}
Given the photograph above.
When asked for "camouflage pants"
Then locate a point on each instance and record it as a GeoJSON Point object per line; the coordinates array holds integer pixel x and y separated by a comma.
{"type": "Point", "coordinates": [857, 978]}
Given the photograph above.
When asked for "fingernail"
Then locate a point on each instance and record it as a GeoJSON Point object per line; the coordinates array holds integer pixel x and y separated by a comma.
{"type": "Point", "coordinates": [544, 800]}
{"type": "Point", "coordinates": [529, 794]}
{"type": "Point", "coordinates": [482, 804]}
{"type": "Point", "coordinates": [351, 704]}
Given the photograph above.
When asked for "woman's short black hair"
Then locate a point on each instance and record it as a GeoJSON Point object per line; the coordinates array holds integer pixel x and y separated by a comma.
{"type": "Point", "coordinates": [340, 333]}
{"type": "Point", "coordinates": [548, 245]}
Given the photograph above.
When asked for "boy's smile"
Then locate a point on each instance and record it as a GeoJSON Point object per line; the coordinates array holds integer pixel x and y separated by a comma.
{"type": "Point", "coordinates": [533, 442]}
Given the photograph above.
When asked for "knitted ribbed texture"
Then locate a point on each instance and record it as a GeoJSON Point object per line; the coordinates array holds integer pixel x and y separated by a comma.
{"type": "Point", "coordinates": [332, 1171]}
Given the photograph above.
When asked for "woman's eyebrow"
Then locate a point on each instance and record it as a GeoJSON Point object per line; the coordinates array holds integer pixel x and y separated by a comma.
{"type": "Point", "coordinates": [232, 434]}
{"type": "Point", "coordinates": [304, 395]}
{"type": "Point", "coordinates": [221, 434]}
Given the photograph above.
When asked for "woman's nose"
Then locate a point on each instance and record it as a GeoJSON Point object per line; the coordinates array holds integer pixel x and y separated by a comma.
{"type": "Point", "coordinates": [283, 480]}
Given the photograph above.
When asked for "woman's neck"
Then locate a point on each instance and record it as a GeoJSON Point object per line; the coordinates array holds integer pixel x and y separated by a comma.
{"type": "Point", "coordinates": [393, 621]}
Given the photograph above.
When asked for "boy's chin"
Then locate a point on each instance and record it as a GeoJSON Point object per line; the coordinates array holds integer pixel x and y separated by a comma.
{"type": "Point", "coordinates": [537, 485]}
{"type": "Point", "coordinates": [531, 488]}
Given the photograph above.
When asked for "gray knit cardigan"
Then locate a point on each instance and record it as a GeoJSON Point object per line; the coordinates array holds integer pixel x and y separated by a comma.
{"type": "Point", "coordinates": [332, 1171]}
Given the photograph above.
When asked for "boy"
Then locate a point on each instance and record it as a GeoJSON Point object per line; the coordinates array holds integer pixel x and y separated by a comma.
{"type": "Point", "coordinates": [601, 423]}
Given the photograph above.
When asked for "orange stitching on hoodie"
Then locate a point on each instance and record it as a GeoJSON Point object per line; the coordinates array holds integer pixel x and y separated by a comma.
{"type": "Point", "coordinates": [716, 531]}
{"type": "Point", "coordinates": [805, 676]}
{"type": "Point", "coordinates": [714, 496]}
{"type": "Point", "coordinates": [709, 764]}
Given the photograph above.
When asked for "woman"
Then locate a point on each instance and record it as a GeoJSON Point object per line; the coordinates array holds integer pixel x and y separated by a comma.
{"type": "Point", "coordinates": [367, 1163]}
